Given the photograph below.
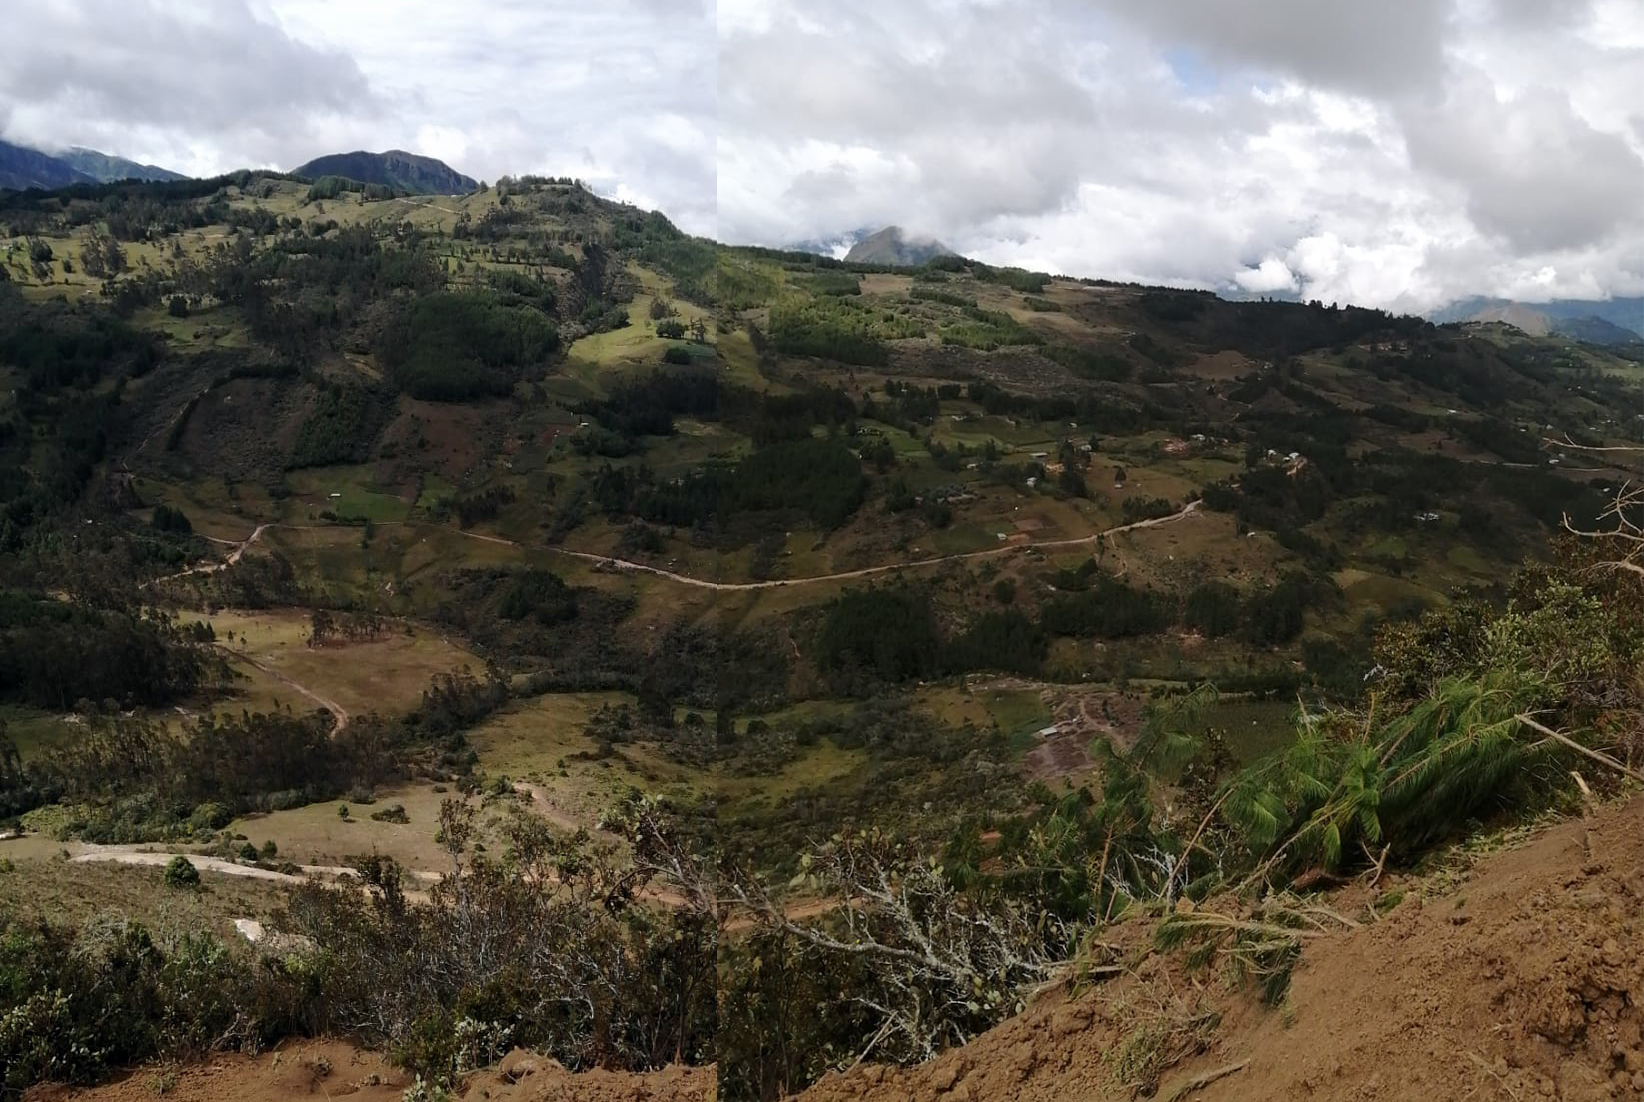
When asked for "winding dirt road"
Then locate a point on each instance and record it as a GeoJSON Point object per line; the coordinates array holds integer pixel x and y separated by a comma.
{"type": "Point", "coordinates": [339, 713]}
{"type": "Point", "coordinates": [702, 583]}
{"type": "Point", "coordinates": [212, 568]}
{"type": "Point", "coordinates": [868, 571]}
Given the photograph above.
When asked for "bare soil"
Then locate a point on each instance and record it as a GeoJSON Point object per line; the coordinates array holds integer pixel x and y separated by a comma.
{"type": "Point", "coordinates": [335, 1069]}
{"type": "Point", "coordinates": [1524, 979]}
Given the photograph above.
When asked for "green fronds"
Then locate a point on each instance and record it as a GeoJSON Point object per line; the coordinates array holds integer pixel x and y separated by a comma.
{"type": "Point", "coordinates": [1349, 783]}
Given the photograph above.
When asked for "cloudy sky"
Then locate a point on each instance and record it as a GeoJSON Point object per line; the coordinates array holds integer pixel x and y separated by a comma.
{"type": "Point", "coordinates": [1399, 153]}
{"type": "Point", "coordinates": [618, 92]}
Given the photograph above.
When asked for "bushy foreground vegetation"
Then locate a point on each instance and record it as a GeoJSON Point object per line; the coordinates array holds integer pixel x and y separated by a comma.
{"type": "Point", "coordinates": [547, 946]}
{"type": "Point", "coordinates": [1475, 715]}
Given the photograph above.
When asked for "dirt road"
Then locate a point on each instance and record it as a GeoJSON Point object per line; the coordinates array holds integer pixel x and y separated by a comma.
{"type": "Point", "coordinates": [339, 713]}
{"type": "Point", "coordinates": [212, 568]}
{"type": "Point", "coordinates": [702, 583]}
{"type": "Point", "coordinates": [869, 571]}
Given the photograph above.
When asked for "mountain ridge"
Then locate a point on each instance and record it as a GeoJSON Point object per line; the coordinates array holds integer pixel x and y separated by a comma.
{"type": "Point", "coordinates": [22, 168]}
{"type": "Point", "coordinates": [1600, 321]}
{"type": "Point", "coordinates": [394, 168]}
{"type": "Point", "coordinates": [894, 245]}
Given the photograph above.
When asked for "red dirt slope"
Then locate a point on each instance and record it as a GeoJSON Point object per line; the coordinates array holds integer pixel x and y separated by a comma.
{"type": "Point", "coordinates": [1524, 981]}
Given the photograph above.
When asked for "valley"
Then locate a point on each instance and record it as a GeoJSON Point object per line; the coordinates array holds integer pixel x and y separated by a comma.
{"type": "Point", "coordinates": [375, 553]}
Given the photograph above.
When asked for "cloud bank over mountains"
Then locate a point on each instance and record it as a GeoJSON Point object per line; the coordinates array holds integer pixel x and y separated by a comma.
{"type": "Point", "coordinates": [1398, 154]}
{"type": "Point", "coordinates": [1401, 154]}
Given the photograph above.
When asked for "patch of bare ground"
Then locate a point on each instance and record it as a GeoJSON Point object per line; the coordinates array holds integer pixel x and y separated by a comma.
{"type": "Point", "coordinates": [1520, 977]}
{"type": "Point", "coordinates": [336, 1069]}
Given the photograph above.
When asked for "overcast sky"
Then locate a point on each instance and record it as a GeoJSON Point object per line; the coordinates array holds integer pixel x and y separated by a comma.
{"type": "Point", "coordinates": [618, 92]}
{"type": "Point", "coordinates": [1399, 153]}
{"type": "Point", "coordinates": [1390, 152]}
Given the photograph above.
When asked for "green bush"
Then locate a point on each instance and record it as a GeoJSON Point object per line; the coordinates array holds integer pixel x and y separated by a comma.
{"type": "Point", "coordinates": [181, 873]}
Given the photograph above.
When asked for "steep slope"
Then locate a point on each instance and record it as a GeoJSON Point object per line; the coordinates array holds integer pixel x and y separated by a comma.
{"type": "Point", "coordinates": [22, 168]}
{"type": "Point", "coordinates": [893, 245]}
{"type": "Point", "coordinates": [106, 168]}
{"type": "Point", "coordinates": [1521, 977]}
{"type": "Point", "coordinates": [394, 168]}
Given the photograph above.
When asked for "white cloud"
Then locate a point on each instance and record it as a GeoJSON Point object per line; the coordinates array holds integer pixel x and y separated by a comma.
{"type": "Point", "coordinates": [1400, 154]}
{"type": "Point", "coordinates": [1270, 276]}
{"type": "Point", "coordinates": [621, 92]}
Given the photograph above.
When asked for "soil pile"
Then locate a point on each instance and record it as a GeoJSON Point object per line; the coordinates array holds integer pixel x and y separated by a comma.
{"type": "Point", "coordinates": [1522, 979]}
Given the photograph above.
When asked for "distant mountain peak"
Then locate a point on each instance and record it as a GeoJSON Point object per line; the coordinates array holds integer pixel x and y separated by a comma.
{"type": "Point", "coordinates": [1597, 321]}
{"type": "Point", "coordinates": [107, 168]}
{"type": "Point", "coordinates": [393, 168]}
{"type": "Point", "coordinates": [22, 167]}
{"type": "Point", "coordinates": [894, 245]}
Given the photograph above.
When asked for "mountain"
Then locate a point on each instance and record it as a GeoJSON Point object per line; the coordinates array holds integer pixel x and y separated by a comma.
{"type": "Point", "coordinates": [22, 168]}
{"type": "Point", "coordinates": [107, 168]}
{"type": "Point", "coordinates": [836, 246]}
{"type": "Point", "coordinates": [892, 245]}
{"type": "Point", "coordinates": [1606, 321]}
{"type": "Point", "coordinates": [395, 168]}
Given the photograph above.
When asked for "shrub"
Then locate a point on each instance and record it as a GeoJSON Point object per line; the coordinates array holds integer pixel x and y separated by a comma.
{"type": "Point", "coordinates": [181, 873]}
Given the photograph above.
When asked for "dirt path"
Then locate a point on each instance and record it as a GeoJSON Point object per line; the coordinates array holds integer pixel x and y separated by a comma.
{"type": "Point", "coordinates": [86, 853]}
{"type": "Point", "coordinates": [337, 710]}
{"type": "Point", "coordinates": [327, 1069]}
{"type": "Point", "coordinates": [551, 811]}
{"type": "Point", "coordinates": [869, 571]}
{"type": "Point", "coordinates": [702, 583]}
{"type": "Point", "coordinates": [212, 568]}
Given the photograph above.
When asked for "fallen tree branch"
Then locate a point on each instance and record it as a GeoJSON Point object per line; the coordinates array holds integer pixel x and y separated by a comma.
{"type": "Point", "coordinates": [1199, 1082]}
{"type": "Point", "coordinates": [1565, 740]}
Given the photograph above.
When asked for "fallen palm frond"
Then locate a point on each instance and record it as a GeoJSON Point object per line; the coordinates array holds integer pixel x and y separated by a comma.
{"type": "Point", "coordinates": [1259, 948]}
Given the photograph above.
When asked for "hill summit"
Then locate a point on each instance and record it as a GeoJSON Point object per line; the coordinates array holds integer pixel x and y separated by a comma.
{"type": "Point", "coordinates": [22, 167]}
{"type": "Point", "coordinates": [393, 168]}
{"type": "Point", "coordinates": [893, 245]}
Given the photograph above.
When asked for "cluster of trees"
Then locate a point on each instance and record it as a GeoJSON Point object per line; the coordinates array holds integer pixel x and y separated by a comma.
{"type": "Point", "coordinates": [837, 328]}
{"type": "Point", "coordinates": [819, 477]}
{"type": "Point", "coordinates": [325, 626]}
{"type": "Point", "coordinates": [340, 428]}
{"type": "Point", "coordinates": [454, 346]}
{"type": "Point", "coordinates": [55, 653]}
{"type": "Point", "coordinates": [884, 635]}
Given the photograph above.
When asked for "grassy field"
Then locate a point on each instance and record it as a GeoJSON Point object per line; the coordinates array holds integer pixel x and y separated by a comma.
{"type": "Point", "coordinates": [34, 731]}
{"type": "Point", "coordinates": [387, 675]}
{"type": "Point", "coordinates": [36, 881]}
{"type": "Point", "coordinates": [318, 835]}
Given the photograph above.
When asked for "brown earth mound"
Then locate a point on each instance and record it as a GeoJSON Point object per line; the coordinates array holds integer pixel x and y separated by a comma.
{"type": "Point", "coordinates": [1524, 980]}
{"type": "Point", "coordinates": [334, 1069]}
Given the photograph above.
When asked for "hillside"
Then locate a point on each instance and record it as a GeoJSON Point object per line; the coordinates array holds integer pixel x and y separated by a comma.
{"type": "Point", "coordinates": [105, 168]}
{"type": "Point", "coordinates": [395, 168]}
{"type": "Point", "coordinates": [893, 245]}
{"type": "Point", "coordinates": [1510, 974]}
{"type": "Point", "coordinates": [21, 167]}
{"type": "Point", "coordinates": [510, 576]}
